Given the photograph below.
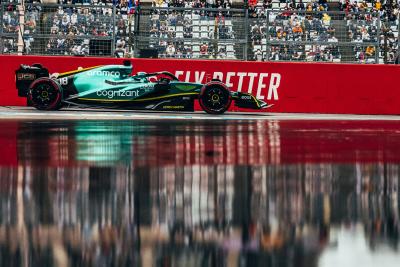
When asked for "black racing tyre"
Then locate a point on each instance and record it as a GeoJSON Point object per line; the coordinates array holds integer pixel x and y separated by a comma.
{"type": "Point", "coordinates": [45, 94]}
{"type": "Point", "coordinates": [215, 99]}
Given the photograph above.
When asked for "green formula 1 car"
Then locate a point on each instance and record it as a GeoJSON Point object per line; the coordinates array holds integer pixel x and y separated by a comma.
{"type": "Point", "coordinates": [113, 86]}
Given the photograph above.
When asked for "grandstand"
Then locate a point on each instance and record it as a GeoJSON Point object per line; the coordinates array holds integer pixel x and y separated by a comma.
{"type": "Point", "coordinates": [263, 30]}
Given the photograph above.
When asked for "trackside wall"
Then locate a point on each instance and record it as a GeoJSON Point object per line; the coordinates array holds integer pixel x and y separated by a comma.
{"type": "Point", "coordinates": [291, 87]}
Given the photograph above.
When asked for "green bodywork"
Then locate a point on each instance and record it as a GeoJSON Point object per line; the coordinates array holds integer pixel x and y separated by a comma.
{"type": "Point", "coordinates": [114, 83]}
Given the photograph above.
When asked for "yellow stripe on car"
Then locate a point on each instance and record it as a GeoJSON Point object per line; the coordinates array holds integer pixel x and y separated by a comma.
{"type": "Point", "coordinates": [165, 96]}
{"type": "Point", "coordinates": [258, 105]}
{"type": "Point", "coordinates": [77, 71]}
{"type": "Point", "coordinates": [136, 100]}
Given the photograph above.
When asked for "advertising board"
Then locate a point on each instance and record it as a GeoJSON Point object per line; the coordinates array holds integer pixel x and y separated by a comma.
{"type": "Point", "coordinates": [291, 87]}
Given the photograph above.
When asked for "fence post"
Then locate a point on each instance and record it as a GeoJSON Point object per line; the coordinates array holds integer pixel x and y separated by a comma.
{"type": "Point", "coordinates": [385, 30]}
{"type": "Point", "coordinates": [130, 41]}
{"type": "Point", "coordinates": [21, 20]}
{"type": "Point", "coordinates": [267, 43]}
{"type": "Point", "coordinates": [136, 32]}
{"type": "Point", "coordinates": [1, 29]}
{"type": "Point", "coordinates": [397, 58]}
{"type": "Point", "coordinates": [113, 42]}
{"type": "Point", "coordinates": [246, 32]}
{"type": "Point", "coordinates": [377, 52]}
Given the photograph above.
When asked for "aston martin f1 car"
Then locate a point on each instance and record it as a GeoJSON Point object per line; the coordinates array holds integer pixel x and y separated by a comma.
{"type": "Point", "coordinates": [113, 86]}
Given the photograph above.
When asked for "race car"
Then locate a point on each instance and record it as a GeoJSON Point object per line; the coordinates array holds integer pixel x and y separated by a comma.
{"type": "Point", "coordinates": [113, 86]}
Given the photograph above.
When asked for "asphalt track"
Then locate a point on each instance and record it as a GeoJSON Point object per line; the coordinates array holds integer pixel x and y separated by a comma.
{"type": "Point", "coordinates": [29, 113]}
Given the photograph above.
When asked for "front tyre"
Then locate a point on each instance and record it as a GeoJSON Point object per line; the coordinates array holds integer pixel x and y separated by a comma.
{"type": "Point", "coordinates": [215, 99]}
{"type": "Point", "coordinates": [45, 94]}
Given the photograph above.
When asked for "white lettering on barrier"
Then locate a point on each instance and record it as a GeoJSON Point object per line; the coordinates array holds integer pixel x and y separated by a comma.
{"type": "Point", "coordinates": [241, 75]}
{"type": "Point", "coordinates": [273, 86]}
{"type": "Point", "coordinates": [199, 76]}
{"type": "Point", "coordinates": [252, 75]}
{"type": "Point", "coordinates": [237, 80]}
{"type": "Point", "coordinates": [229, 75]}
{"type": "Point", "coordinates": [261, 85]}
{"type": "Point", "coordinates": [178, 73]}
{"type": "Point", "coordinates": [187, 79]}
{"type": "Point", "coordinates": [218, 75]}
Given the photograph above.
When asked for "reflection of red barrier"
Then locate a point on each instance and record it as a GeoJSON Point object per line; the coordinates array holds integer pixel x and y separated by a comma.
{"type": "Point", "coordinates": [8, 143]}
{"type": "Point", "coordinates": [292, 87]}
{"type": "Point", "coordinates": [263, 142]}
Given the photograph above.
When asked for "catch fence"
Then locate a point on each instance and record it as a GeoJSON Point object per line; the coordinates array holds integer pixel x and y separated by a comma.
{"type": "Point", "coordinates": [272, 35]}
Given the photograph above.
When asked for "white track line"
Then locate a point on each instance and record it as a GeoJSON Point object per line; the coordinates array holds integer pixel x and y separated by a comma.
{"type": "Point", "coordinates": [27, 113]}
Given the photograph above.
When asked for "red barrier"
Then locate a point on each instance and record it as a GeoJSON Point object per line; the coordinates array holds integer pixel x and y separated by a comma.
{"type": "Point", "coordinates": [291, 87]}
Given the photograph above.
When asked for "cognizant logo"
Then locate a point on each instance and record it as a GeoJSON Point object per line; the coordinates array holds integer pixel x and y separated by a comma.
{"type": "Point", "coordinates": [112, 94]}
{"type": "Point", "coordinates": [104, 73]}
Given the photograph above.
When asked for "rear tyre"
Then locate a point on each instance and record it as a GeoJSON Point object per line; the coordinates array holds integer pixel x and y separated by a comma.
{"type": "Point", "coordinates": [45, 94]}
{"type": "Point", "coordinates": [215, 99]}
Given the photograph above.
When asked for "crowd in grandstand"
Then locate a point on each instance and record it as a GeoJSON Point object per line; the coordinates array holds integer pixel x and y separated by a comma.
{"type": "Point", "coordinates": [70, 25]}
{"type": "Point", "coordinates": [363, 27]}
{"type": "Point", "coordinates": [197, 32]}
{"type": "Point", "coordinates": [200, 25]}
{"type": "Point", "coordinates": [258, 9]}
{"type": "Point", "coordinates": [292, 23]}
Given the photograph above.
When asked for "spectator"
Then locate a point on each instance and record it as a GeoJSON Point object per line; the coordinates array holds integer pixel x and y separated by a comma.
{"type": "Point", "coordinates": [326, 19]}
{"type": "Point", "coordinates": [252, 3]}
{"type": "Point", "coordinates": [204, 50]}
{"type": "Point", "coordinates": [370, 51]}
{"type": "Point", "coordinates": [297, 30]}
{"type": "Point", "coordinates": [300, 5]}
{"type": "Point", "coordinates": [258, 56]}
{"type": "Point", "coordinates": [378, 5]}
{"type": "Point", "coordinates": [170, 50]}
{"type": "Point", "coordinates": [222, 54]}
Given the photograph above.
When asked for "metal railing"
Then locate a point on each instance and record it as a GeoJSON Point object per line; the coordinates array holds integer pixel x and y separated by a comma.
{"type": "Point", "coordinates": [63, 30]}
{"type": "Point", "coordinates": [9, 29]}
{"type": "Point", "coordinates": [390, 40]}
{"type": "Point", "coordinates": [275, 35]}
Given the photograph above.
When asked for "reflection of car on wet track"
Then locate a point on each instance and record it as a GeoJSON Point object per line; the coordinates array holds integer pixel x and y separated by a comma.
{"type": "Point", "coordinates": [113, 86]}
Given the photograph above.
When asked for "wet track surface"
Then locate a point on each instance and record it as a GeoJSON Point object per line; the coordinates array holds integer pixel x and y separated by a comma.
{"type": "Point", "coordinates": [199, 193]}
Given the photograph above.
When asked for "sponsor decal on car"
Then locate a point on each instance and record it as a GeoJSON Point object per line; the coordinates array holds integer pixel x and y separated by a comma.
{"type": "Point", "coordinates": [112, 94]}
{"type": "Point", "coordinates": [173, 107]}
{"type": "Point", "coordinates": [26, 76]}
{"type": "Point", "coordinates": [104, 73]}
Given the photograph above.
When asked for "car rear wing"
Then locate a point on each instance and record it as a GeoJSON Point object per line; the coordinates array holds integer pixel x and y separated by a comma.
{"type": "Point", "coordinates": [26, 74]}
